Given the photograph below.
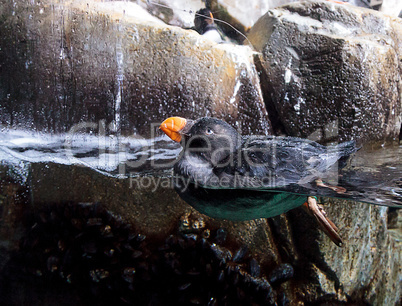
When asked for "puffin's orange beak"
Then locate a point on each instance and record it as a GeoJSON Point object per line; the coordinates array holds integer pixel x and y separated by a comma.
{"type": "Point", "coordinates": [211, 16]}
{"type": "Point", "coordinates": [172, 127]}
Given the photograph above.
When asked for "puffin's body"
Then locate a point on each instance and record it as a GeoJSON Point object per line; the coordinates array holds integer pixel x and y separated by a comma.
{"type": "Point", "coordinates": [237, 204]}
{"type": "Point", "coordinates": [205, 25]}
{"type": "Point", "coordinates": [227, 176]}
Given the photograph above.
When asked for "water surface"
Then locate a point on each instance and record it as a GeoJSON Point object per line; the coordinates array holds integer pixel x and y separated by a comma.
{"type": "Point", "coordinates": [374, 175]}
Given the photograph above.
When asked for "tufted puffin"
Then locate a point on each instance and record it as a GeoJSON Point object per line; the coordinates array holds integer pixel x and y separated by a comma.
{"type": "Point", "coordinates": [205, 25]}
{"type": "Point", "coordinates": [229, 176]}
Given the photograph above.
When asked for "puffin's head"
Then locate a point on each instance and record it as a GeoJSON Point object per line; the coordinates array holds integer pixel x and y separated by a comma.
{"type": "Point", "coordinates": [202, 20]}
{"type": "Point", "coordinates": [210, 138]}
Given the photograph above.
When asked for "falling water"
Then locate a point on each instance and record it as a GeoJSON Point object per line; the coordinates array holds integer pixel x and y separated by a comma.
{"type": "Point", "coordinates": [119, 80]}
{"type": "Point", "coordinates": [110, 144]}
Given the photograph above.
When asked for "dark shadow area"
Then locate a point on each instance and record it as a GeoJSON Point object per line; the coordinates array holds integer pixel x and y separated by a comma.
{"type": "Point", "coordinates": [81, 253]}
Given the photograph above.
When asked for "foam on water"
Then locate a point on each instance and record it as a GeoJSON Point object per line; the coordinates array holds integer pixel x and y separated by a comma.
{"type": "Point", "coordinates": [100, 152]}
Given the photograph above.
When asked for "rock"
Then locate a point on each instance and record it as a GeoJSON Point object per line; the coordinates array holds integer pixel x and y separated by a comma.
{"type": "Point", "coordinates": [240, 15]}
{"type": "Point", "coordinates": [325, 62]}
{"type": "Point", "coordinates": [179, 13]}
{"type": "Point", "coordinates": [13, 199]}
{"type": "Point", "coordinates": [141, 201]}
{"type": "Point", "coordinates": [400, 134]}
{"type": "Point", "coordinates": [149, 203]}
{"type": "Point", "coordinates": [247, 13]}
{"type": "Point", "coordinates": [391, 7]}
{"type": "Point", "coordinates": [91, 61]}
{"type": "Point", "coordinates": [368, 267]}
{"type": "Point", "coordinates": [371, 4]}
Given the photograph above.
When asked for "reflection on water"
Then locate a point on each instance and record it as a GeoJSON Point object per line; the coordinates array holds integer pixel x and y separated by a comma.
{"type": "Point", "coordinates": [373, 176]}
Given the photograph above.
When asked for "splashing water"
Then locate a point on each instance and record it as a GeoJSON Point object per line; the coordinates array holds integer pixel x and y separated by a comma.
{"type": "Point", "coordinates": [373, 176]}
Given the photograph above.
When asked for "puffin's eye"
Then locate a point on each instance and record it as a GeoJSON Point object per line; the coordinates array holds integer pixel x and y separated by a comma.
{"type": "Point", "coordinates": [209, 131]}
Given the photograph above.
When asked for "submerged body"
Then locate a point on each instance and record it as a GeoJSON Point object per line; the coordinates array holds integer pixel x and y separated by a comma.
{"type": "Point", "coordinates": [227, 176]}
{"type": "Point", "coordinates": [238, 204]}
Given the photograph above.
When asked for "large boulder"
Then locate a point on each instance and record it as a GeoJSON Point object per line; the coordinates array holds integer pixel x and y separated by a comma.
{"type": "Point", "coordinates": [367, 268]}
{"type": "Point", "coordinates": [326, 62]}
{"type": "Point", "coordinates": [391, 7]}
{"type": "Point", "coordinates": [68, 63]}
{"type": "Point", "coordinates": [175, 12]}
{"type": "Point", "coordinates": [234, 18]}
{"type": "Point", "coordinates": [148, 203]}
{"type": "Point", "coordinates": [243, 13]}
{"type": "Point", "coordinates": [332, 71]}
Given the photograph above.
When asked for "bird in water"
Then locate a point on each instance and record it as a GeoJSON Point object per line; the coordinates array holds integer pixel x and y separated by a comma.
{"type": "Point", "coordinates": [229, 176]}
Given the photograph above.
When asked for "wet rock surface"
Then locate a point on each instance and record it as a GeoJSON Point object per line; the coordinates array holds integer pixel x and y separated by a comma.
{"type": "Point", "coordinates": [231, 17]}
{"type": "Point", "coordinates": [239, 14]}
{"type": "Point", "coordinates": [111, 61]}
{"type": "Point", "coordinates": [155, 209]}
{"type": "Point", "coordinates": [176, 12]}
{"type": "Point", "coordinates": [368, 266]}
{"type": "Point", "coordinates": [326, 62]}
{"type": "Point", "coordinates": [242, 15]}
